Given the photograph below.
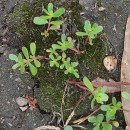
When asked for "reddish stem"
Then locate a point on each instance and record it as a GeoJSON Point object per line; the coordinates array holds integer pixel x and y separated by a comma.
{"type": "Point", "coordinates": [74, 49]}
{"type": "Point", "coordinates": [86, 40]}
{"type": "Point", "coordinates": [124, 109]}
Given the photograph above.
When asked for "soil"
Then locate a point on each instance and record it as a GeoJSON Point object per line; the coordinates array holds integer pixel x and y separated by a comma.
{"type": "Point", "coordinates": [13, 84]}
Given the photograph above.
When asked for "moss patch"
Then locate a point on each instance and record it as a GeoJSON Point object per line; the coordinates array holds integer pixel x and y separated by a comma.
{"type": "Point", "coordinates": [53, 80]}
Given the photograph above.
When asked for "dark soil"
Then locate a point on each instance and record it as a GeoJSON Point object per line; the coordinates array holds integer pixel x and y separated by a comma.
{"type": "Point", "coordinates": [13, 84]}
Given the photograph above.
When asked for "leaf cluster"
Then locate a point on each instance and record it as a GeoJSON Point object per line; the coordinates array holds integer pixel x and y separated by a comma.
{"type": "Point", "coordinates": [58, 56]}
{"type": "Point", "coordinates": [111, 109]}
{"type": "Point", "coordinates": [46, 19]}
{"type": "Point", "coordinates": [27, 60]}
{"type": "Point", "coordinates": [98, 122]}
{"type": "Point", "coordinates": [90, 30]}
{"type": "Point", "coordinates": [98, 95]}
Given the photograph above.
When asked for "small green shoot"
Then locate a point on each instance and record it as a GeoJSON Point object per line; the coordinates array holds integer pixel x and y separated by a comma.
{"type": "Point", "coordinates": [98, 122]}
{"type": "Point", "coordinates": [111, 109]}
{"type": "Point", "coordinates": [29, 60]}
{"type": "Point", "coordinates": [47, 19]}
{"type": "Point", "coordinates": [58, 56]}
{"type": "Point", "coordinates": [91, 31]}
{"type": "Point", "coordinates": [98, 94]}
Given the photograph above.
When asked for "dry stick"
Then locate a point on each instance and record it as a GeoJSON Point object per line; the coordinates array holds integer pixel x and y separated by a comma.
{"type": "Point", "coordinates": [77, 104]}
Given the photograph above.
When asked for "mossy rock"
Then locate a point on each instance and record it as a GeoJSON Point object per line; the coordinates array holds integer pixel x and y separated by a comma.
{"type": "Point", "coordinates": [53, 80]}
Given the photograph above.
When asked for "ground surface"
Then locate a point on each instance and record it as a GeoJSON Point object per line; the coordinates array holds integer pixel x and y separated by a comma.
{"type": "Point", "coordinates": [113, 18]}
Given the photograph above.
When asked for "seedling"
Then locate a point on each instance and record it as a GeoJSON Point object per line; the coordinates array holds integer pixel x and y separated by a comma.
{"type": "Point", "coordinates": [58, 56]}
{"type": "Point", "coordinates": [111, 109]}
{"type": "Point", "coordinates": [47, 19]}
{"type": "Point", "coordinates": [98, 94]}
{"type": "Point", "coordinates": [91, 31]}
{"type": "Point", "coordinates": [29, 60]}
{"type": "Point", "coordinates": [98, 122]}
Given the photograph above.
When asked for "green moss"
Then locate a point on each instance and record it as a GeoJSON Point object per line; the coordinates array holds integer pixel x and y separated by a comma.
{"type": "Point", "coordinates": [53, 80]}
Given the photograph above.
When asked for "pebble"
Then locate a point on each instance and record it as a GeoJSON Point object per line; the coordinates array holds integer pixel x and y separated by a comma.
{"type": "Point", "coordinates": [21, 101]}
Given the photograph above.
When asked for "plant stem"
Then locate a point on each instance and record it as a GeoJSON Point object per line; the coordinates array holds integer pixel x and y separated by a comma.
{"type": "Point", "coordinates": [124, 109]}
{"type": "Point", "coordinates": [49, 23]}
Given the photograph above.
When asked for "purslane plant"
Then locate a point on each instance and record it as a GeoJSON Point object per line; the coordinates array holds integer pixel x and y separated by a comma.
{"type": "Point", "coordinates": [29, 60]}
{"type": "Point", "coordinates": [91, 31]}
{"type": "Point", "coordinates": [98, 95]}
{"type": "Point", "coordinates": [58, 56]}
{"type": "Point", "coordinates": [47, 19]}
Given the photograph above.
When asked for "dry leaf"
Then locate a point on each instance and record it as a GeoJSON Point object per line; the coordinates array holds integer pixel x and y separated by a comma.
{"type": "Point", "coordinates": [32, 101]}
{"type": "Point", "coordinates": [110, 62]}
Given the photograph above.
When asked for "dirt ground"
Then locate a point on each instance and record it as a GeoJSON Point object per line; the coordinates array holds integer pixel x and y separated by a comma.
{"type": "Point", "coordinates": [112, 18]}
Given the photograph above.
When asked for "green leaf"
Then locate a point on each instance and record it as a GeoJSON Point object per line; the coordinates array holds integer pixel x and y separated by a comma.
{"type": "Point", "coordinates": [126, 95]}
{"type": "Point", "coordinates": [33, 48]}
{"type": "Point", "coordinates": [81, 33]}
{"type": "Point", "coordinates": [45, 11]}
{"type": "Point", "coordinates": [119, 104]}
{"type": "Point", "coordinates": [54, 27]}
{"type": "Point", "coordinates": [104, 89]}
{"type": "Point", "coordinates": [92, 119]}
{"type": "Point", "coordinates": [76, 75]}
{"type": "Point", "coordinates": [33, 69]}
{"type": "Point", "coordinates": [104, 97]}
{"type": "Point", "coordinates": [100, 117]}
{"type": "Point", "coordinates": [20, 57]}
{"type": "Point", "coordinates": [37, 63]}
{"type": "Point", "coordinates": [59, 12]}
{"type": "Point", "coordinates": [104, 107]}
{"type": "Point", "coordinates": [97, 30]}
{"type": "Point", "coordinates": [68, 127]}
{"type": "Point", "coordinates": [22, 69]}
{"type": "Point", "coordinates": [88, 84]}
{"type": "Point", "coordinates": [107, 126]}
{"type": "Point", "coordinates": [87, 26]}
{"type": "Point", "coordinates": [45, 17]}
{"type": "Point", "coordinates": [63, 38]}
{"type": "Point", "coordinates": [40, 21]}
{"type": "Point", "coordinates": [58, 22]}
{"type": "Point", "coordinates": [97, 127]}
{"type": "Point", "coordinates": [15, 66]}
{"type": "Point", "coordinates": [74, 64]}
{"type": "Point", "coordinates": [50, 7]}
{"type": "Point", "coordinates": [114, 101]}
{"type": "Point", "coordinates": [115, 123]}
{"type": "Point", "coordinates": [25, 52]}
{"type": "Point", "coordinates": [13, 57]}
{"type": "Point", "coordinates": [55, 46]}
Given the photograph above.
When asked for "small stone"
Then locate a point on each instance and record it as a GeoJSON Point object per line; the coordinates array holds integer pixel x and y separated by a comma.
{"type": "Point", "coordinates": [24, 108]}
{"type": "Point", "coordinates": [110, 62]}
{"type": "Point", "coordinates": [21, 101]}
{"type": "Point", "coordinates": [18, 80]}
{"type": "Point", "coordinates": [101, 9]}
